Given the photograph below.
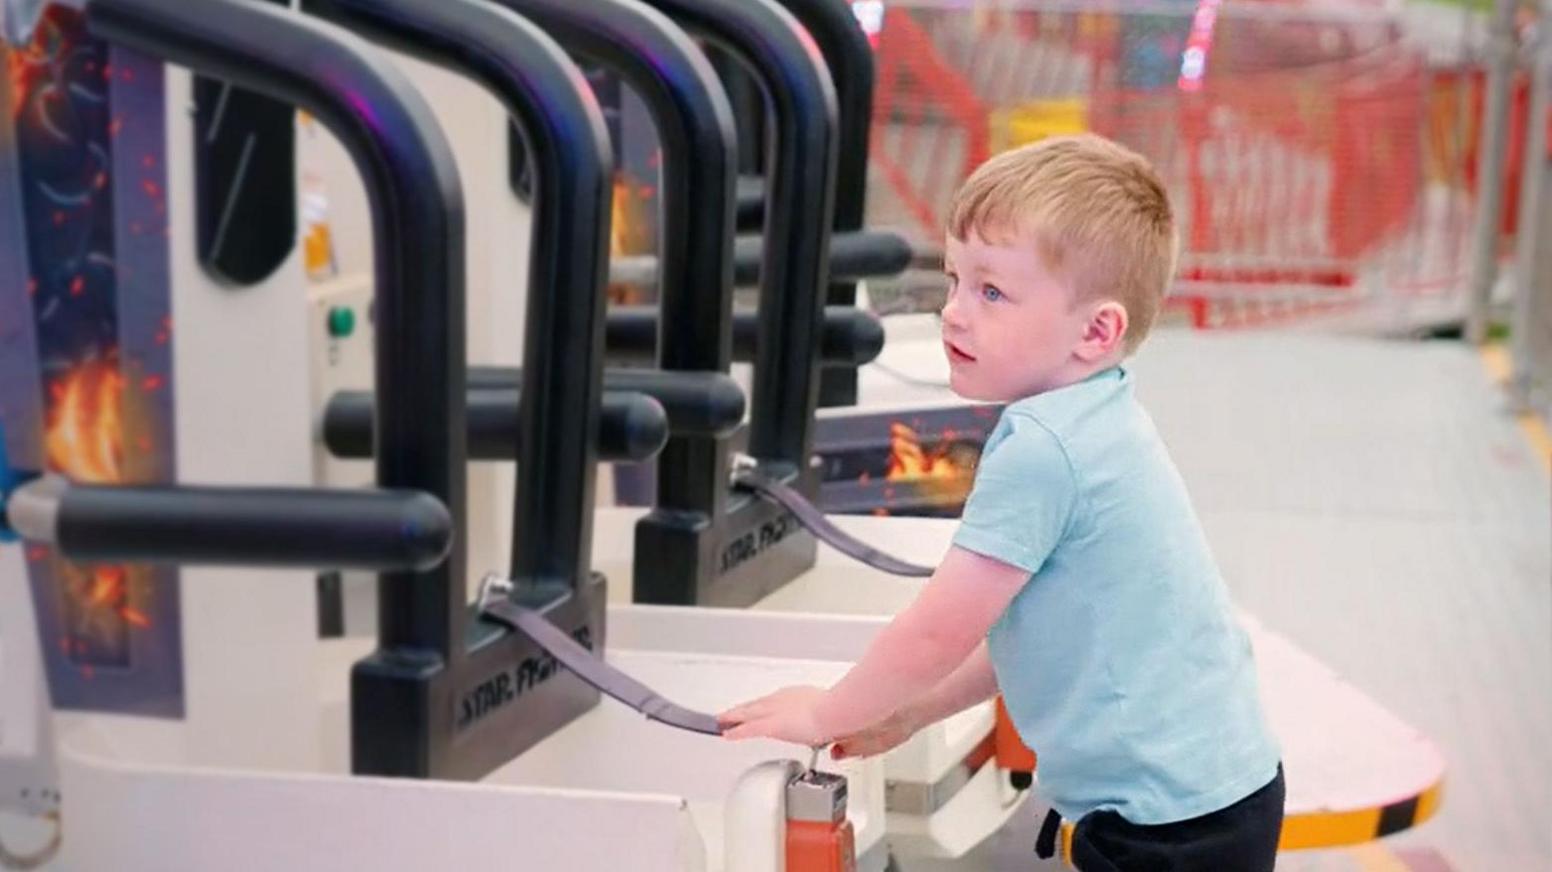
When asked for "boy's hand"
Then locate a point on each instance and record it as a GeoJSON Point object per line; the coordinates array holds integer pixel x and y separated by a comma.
{"type": "Point", "coordinates": [787, 715]}
{"type": "Point", "coordinates": [882, 736]}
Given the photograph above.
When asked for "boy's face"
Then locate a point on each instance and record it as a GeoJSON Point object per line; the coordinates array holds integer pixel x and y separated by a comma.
{"type": "Point", "coordinates": [1010, 327]}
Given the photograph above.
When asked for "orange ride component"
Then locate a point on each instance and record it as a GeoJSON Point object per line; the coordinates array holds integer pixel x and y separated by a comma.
{"type": "Point", "coordinates": [819, 837]}
{"type": "Point", "coordinates": [1012, 754]}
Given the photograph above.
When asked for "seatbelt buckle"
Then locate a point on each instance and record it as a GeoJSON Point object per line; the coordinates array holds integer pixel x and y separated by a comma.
{"type": "Point", "coordinates": [819, 837]}
{"type": "Point", "coordinates": [740, 463]}
{"type": "Point", "coordinates": [493, 587]}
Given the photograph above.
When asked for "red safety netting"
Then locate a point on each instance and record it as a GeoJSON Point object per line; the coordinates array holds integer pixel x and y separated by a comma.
{"type": "Point", "coordinates": [1307, 150]}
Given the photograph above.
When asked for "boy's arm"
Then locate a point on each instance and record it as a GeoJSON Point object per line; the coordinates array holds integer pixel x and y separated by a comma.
{"type": "Point", "coordinates": [973, 682]}
{"type": "Point", "coordinates": [919, 648]}
{"type": "Point", "coordinates": [925, 643]}
{"type": "Point", "coordinates": [1025, 499]}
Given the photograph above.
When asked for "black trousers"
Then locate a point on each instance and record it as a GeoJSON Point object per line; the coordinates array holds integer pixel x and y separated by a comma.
{"type": "Point", "coordinates": [1240, 838]}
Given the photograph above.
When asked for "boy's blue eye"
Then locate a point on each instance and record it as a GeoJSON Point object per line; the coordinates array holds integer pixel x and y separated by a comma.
{"type": "Point", "coordinates": [991, 294]}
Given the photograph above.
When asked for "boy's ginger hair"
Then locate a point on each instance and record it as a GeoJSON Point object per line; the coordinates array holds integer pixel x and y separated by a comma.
{"type": "Point", "coordinates": [1096, 211]}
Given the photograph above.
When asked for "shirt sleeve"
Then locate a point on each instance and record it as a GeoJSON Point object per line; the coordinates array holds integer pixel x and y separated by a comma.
{"type": "Point", "coordinates": [1022, 501]}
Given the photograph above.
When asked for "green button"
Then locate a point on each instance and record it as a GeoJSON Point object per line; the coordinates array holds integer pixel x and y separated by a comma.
{"type": "Point", "coordinates": [342, 321]}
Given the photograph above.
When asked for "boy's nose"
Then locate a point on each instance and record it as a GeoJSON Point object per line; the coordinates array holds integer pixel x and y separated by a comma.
{"type": "Point", "coordinates": [951, 314]}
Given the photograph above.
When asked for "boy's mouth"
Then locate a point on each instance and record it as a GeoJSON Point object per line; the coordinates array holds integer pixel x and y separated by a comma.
{"type": "Point", "coordinates": [957, 354]}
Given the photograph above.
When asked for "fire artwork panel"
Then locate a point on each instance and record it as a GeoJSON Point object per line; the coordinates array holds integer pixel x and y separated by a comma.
{"type": "Point", "coordinates": [913, 462]}
{"type": "Point", "coordinates": [85, 343]}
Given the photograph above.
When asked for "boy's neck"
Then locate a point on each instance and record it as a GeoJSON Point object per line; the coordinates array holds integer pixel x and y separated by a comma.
{"type": "Point", "coordinates": [1079, 371]}
{"type": "Point", "coordinates": [1089, 370]}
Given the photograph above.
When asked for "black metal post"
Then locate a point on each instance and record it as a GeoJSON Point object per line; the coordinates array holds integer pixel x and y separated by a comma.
{"type": "Point", "coordinates": [801, 190]}
{"type": "Point", "coordinates": [850, 59]}
{"type": "Point", "coordinates": [695, 267]}
{"type": "Point", "coordinates": [756, 546]}
{"type": "Point", "coordinates": [417, 215]}
{"type": "Point", "coordinates": [471, 728]}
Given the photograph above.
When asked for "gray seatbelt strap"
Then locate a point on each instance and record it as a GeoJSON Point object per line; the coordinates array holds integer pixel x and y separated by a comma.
{"type": "Point", "coordinates": [496, 604]}
{"type": "Point", "coordinates": [746, 474]}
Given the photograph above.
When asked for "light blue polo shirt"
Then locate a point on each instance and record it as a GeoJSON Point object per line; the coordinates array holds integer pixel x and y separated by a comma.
{"type": "Point", "coordinates": [1120, 659]}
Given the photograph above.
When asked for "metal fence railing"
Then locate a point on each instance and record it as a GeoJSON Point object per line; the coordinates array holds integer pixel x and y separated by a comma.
{"type": "Point", "coordinates": [1530, 321]}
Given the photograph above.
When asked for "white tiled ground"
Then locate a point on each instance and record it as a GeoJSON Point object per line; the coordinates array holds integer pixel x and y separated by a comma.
{"type": "Point", "coordinates": [1373, 501]}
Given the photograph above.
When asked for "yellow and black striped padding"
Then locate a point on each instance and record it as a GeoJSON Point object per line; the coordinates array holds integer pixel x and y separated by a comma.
{"type": "Point", "coordinates": [1335, 829]}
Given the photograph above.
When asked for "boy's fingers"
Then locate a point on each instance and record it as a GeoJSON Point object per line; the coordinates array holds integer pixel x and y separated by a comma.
{"type": "Point", "coordinates": [733, 716]}
{"type": "Point", "coordinates": [745, 711]}
{"type": "Point", "coordinates": [746, 730]}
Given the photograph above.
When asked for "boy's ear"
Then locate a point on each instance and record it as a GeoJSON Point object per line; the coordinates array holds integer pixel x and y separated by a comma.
{"type": "Point", "coordinates": [1103, 333]}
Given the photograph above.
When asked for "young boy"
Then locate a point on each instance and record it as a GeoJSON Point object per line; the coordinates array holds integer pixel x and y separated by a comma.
{"type": "Point", "coordinates": [1079, 584]}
